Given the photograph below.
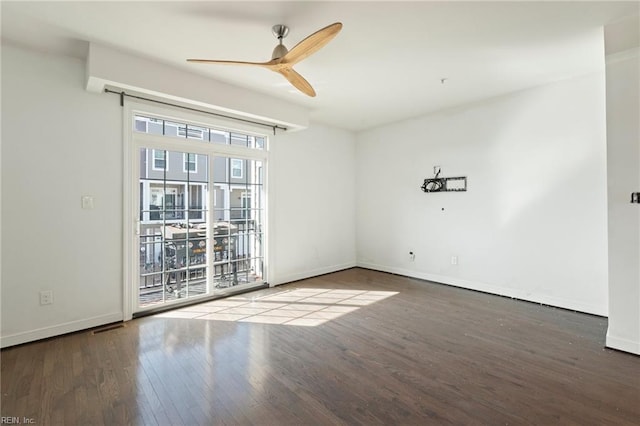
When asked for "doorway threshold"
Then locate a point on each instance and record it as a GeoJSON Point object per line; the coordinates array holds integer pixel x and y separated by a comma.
{"type": "Point", "coordinates": [189, 302]}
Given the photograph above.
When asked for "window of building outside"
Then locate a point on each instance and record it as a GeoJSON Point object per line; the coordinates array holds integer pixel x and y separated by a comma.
{"type": "Point", "coordinates": [190, 163]}
{"type": "Point", "coordinates": [236, 168]}
{"type": "Point", "coordinates": [159, 160]}
{"type": "Point", "coordinates": [191, 132]}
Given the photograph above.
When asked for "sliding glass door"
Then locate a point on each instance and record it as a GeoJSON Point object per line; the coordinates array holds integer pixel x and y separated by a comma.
{"type": "Point", "coordinates": [199, 212]}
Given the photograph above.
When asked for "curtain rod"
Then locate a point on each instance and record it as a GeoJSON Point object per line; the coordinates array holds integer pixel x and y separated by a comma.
{"type": "Point", "coordinates": [123, 94]}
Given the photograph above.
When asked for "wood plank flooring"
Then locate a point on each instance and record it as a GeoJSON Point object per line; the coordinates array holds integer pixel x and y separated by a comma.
{"type": "Point", "coordinates": [356, 347]}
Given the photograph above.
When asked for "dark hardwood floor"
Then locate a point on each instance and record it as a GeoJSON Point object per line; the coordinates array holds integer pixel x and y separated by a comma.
{"type": "Point", "coordinates": [356, 347]}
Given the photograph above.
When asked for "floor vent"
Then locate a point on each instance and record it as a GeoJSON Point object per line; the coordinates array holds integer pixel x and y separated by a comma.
{"type": "Point", "coordinates": [108, 328]}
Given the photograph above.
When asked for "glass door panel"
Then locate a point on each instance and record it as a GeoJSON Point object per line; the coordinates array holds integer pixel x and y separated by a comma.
{"type": "Point", "coordinates": [238, 213]}
{"type": "Point", "coordinates": [173, 231]}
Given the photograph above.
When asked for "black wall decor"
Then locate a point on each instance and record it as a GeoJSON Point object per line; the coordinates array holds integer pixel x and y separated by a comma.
{"type": "Point", "coordinates": [447, 184]}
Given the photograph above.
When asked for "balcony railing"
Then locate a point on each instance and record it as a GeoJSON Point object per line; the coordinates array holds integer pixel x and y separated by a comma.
{"type": "Point", "coordinates": [178, 255]}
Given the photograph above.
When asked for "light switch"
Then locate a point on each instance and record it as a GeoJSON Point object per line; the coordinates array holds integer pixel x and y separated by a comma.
{"type": "Point", "coordinates": [87, 202]}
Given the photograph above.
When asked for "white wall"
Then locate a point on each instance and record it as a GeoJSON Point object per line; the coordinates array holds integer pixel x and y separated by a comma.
{"type": "Point", "coordinates": [59, 142]}
{"type": "Point", "coordinates": [623, 156]}
{"type": "Point", "coordinates": [533, 223]}
{"type": "Point", "coordinates": [312, 206]}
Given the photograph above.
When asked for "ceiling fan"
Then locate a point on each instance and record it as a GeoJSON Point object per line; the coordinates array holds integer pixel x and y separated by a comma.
{"type": "Point", "coordinates": [283, 60]}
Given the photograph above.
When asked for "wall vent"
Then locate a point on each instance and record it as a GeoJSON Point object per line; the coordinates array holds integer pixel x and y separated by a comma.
{"type": "Point", "coordinates": [108, 328]}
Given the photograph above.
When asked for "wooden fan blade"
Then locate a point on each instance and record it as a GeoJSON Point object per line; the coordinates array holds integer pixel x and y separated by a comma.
{"type": "Point", "coordinates": [214, 61]}
{"type": "Point", "coordinates": [311, 44]}
{"type": "Point", "coordinates": [297, 80]}
{"type": "Point", "coordinates": [274, 65]}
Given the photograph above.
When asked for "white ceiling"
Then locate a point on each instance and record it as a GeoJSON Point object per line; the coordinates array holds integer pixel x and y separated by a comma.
{"type": "Point", "coordinates": [386, 65]}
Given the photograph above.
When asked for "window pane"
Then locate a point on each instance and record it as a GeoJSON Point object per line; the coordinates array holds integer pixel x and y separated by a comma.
{"type": "Point", "coordinates": [219, 136]}
{"type": "Point", "coordinates": [140, 125]}
{"type": "Point", "coordinates": [238, 215]}
{"type": "Point", "coordinates": [191, 131]}
{"type": "Point", "coordinates": [171, 128]}
{"type": "Point", "coordinates": [190, 163]}
{"type": "Point", "coordinates": [239, 139]}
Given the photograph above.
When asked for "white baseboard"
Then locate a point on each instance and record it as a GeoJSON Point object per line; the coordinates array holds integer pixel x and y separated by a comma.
{"type": "Point", "coordinates": [490, 288]}
{"type": "Point", "coordinates": [620, 344]}
{"type": "Point", "coordinates": [312, 273]}
{"type": "Point", "coordinates": [57, 330]}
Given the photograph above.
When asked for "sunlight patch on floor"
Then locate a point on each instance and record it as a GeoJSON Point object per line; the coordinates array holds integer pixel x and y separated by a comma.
{"type": "Point", "coordinates": [305, 307]}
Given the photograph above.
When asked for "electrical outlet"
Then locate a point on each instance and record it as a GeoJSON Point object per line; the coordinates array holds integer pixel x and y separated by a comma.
{"type": "Point", "coordinates": [46, 297]}
{"type": "Point", "coordinates": [454, 260]}
{"type": "Point", "coordinates": [412, 256]}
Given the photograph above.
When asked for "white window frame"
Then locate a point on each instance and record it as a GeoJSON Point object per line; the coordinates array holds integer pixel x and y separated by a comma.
{"type": "Point", "coordinates": [185, 162]}
{"type": "Point", "coordinates": [239, 165]}
{"type": "Point", "coordinates": [153, 160]}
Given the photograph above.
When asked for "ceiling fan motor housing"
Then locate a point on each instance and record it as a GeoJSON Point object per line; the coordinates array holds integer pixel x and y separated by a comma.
{"type": "Point", "coordinates": [280, 31]}
{"type": "Point", "coordinates": [279, 51]}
